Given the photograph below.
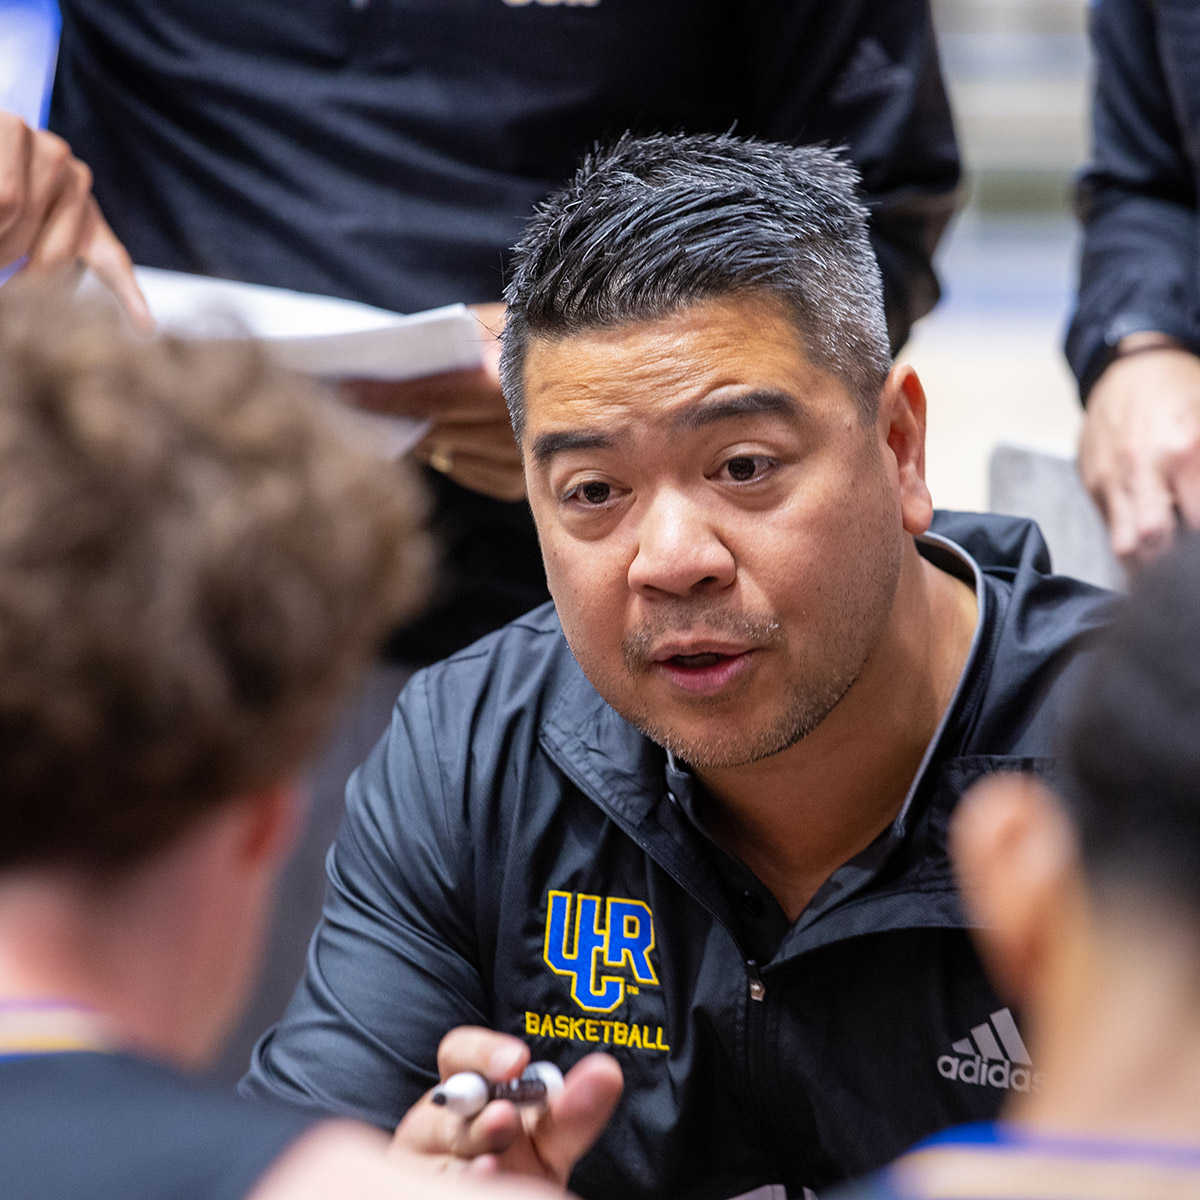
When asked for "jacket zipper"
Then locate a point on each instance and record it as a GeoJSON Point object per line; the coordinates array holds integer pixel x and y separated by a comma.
{"type": "Point", "coordinates": [758, 989]}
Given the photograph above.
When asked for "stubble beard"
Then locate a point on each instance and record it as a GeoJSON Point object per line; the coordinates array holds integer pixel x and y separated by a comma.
{"type": "Point", "coordinates": [812, 695]}
{"type": "Point", "coordinates": [807, 707]}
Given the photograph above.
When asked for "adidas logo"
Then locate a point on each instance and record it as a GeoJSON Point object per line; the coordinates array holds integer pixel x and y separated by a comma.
{"type": "Point", "coordinates": [993, 1056]}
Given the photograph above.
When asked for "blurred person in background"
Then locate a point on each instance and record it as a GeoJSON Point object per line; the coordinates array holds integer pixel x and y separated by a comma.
{"type": "Point", "coordinates": [193, 566]}
{"type": "Point", "coordinates": [1134, 340]}
{"type": "Point", "coordinates": [1087, 906]}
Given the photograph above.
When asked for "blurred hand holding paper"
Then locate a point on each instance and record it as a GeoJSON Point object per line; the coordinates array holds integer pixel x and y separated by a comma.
{"type": "Point", "coordinates": [322, 335]}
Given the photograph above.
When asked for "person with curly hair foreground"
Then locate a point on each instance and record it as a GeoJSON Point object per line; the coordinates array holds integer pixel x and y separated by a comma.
{"type": "Point", "coordinates": [194, 563]}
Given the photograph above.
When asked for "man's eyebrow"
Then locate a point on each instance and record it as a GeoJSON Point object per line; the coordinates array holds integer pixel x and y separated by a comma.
{"type": "Point", "coordinates": [760, 402]}
{"type": "Point", "coordinates": [546, 445]}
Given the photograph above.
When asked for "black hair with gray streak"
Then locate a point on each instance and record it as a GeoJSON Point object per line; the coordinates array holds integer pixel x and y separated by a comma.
{"type": "Point", "coordinates": [652, 225]}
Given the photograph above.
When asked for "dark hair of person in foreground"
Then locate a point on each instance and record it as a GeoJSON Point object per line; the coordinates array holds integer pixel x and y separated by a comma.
{"type": "Point", "coordinates": [1132, 745]}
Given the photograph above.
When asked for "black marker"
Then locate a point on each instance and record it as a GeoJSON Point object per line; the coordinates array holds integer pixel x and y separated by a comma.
{"type": "Point", "coordinates": [468, 1093]}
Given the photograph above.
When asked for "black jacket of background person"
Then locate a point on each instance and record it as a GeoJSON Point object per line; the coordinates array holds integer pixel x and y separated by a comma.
{"type": "Point", "coordinates": [1138, 199]}
{"type": "Point", "coordinates": [508, 799]}
{"type": "Point", "coordinates": [390, 151]}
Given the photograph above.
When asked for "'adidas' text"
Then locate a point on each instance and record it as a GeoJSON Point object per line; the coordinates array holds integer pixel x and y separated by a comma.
{"type": "Point", "coordinates": [994, 1055]}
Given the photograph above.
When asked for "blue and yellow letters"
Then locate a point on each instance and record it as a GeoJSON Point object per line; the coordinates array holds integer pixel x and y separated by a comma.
{"type": "Point", "coordinates": [587, 949]}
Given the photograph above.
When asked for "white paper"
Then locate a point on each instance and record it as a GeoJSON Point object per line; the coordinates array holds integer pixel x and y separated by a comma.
{"type": "Point", "coordinates": [321, 335]}
{"type": "Point", "coordinates": [338, 339]}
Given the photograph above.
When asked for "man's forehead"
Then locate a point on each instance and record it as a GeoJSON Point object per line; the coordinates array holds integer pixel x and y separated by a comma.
{"type": "Point", "coordinates": [738, 357]}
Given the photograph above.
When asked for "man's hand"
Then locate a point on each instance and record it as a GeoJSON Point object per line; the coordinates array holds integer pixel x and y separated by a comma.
{"type": "Point", "coordinates": [1139, 455]}
{"type": "Point", "coordinates": [49, 217]}
{"type": "Point", "coordinates": [471, 440]}
{"type": "Point", "coordinates": [544, 1143]}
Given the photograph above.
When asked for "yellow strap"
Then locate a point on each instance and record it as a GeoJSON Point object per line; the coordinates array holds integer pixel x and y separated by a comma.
{"type": "Point", "coordinates": [49, 1028]}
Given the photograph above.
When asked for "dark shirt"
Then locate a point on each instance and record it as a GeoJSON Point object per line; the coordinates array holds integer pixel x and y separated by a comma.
{"type": "Point", "coordinates": [114, 1127]}
{"type": "Point", "coordinates": [390, 151]}
{"type": "Point", "coordinates": [1140, 263]}
{"type": "Point", "coordinates": [516, 855]}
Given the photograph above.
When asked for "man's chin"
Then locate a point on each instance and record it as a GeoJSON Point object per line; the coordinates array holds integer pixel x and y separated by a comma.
{"type": "Point", "coordinates": [719, 742]}
{"type": "Point", "coordinates": [722, 748]}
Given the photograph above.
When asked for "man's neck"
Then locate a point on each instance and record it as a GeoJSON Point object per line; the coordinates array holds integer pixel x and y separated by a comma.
{"type": "Point", "coordinates": [1116, 1035]}
{"type": "Point", "coordinates": [797, 816]}
{"type": "Point", "coordinates": [136, 949]}
{"type": "Point", "coordinates": [58, 944]}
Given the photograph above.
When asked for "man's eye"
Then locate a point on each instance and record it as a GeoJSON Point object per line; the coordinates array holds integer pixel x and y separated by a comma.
{"type": "Point", "coordinates": [594, 492]}
{"type": "Point", "coordinates": [746, 467]}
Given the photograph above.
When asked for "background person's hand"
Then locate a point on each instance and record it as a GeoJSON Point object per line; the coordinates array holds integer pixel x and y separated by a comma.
{"type": "Point", "coordinates": [1139, 454]}
{"type": "Point", "coordinates": [470, 440]}
{"type": "Point", "coordinates": [49, 217]}
{"type": "Point", "coordinates": [544, 1142]}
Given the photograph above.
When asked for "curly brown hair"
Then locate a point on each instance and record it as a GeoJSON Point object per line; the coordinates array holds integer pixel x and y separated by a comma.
{"type": "Point", "coordinates": [194, 563]}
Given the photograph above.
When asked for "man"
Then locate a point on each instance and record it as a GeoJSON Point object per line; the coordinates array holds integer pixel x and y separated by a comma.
{"type": "Point", "coordinates": [193, 565]}
{"type": "Point", "coordinates": [1134, 340]}
{"type": "Point", "coordinates": [695, 813]}
{"type": "Point", "coordinates": [1089, 914]}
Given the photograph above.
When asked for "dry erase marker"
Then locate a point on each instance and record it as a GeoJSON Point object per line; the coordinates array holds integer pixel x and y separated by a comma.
{"type": "Point", "coordinates": [468, 1093]}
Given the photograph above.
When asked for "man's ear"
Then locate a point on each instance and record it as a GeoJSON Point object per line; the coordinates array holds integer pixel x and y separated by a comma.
{"type": "Point", "coordinates": [1016, 858]}
{"type": "Point", "coordinates": [901, 425]}
{"type": "Point", "coordinates": [273, 816]}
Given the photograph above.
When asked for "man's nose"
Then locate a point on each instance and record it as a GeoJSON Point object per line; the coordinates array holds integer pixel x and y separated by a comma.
{"type": "Point", "coordinates": [680, 549]}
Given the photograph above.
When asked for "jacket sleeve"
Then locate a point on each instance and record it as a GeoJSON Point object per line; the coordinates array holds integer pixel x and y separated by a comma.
{"type": "Point", "coordinates": [392, 965]}
{"type": "Point", "coordinates": [1136, 199]}
{"type": "Point", "coordinates": [865, 76]}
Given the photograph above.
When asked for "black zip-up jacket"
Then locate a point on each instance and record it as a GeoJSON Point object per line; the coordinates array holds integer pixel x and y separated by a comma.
{"type": "Point", "coordinates": [391, 151]}
{"type": "Point", "coordinates": [1137, 200]}
{"type": "Point", "coordinates": [516, 855]}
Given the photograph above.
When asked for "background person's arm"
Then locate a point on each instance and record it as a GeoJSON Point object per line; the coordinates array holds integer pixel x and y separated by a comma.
{"type": "Point", "coordinates": [1140, 451]}
{"type": "Point", "coordinates": [865, 76]}
{"type": "Point", "coordinates": [49, 218]}
{"type": "Point", "coordinates": [470, 439]}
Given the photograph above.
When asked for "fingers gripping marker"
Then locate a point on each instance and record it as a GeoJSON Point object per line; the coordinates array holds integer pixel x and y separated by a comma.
{"type": "Point", "coordinates": [467, 1093]}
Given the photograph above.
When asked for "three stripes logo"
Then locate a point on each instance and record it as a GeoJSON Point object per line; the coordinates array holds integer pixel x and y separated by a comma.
{"type": "Point", "coordinates": [994, 1055]}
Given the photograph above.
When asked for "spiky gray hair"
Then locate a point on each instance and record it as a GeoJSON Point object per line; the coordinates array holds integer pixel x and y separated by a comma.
{"type": "Point", "coordinates": [651, 225]}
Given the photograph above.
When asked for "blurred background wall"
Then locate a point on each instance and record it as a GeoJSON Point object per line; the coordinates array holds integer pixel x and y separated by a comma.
{"type": "Point", "coordinates": [1019, 78]}
{"type": "Point", "coordinates": [28, 41]}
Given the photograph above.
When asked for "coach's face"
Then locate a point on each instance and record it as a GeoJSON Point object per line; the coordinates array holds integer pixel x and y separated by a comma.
{"type": "Point", "coordinates": [722, 530]}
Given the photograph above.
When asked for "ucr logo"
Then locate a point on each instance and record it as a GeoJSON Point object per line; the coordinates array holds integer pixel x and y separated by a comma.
{"type": "Point", "coordinates": [585, 948]}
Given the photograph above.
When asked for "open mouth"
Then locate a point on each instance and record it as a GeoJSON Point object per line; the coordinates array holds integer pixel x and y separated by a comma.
{"type": "Point", "coordinates": [698, 660]}
{"type": "Point", "coordinates": [708, 672]}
